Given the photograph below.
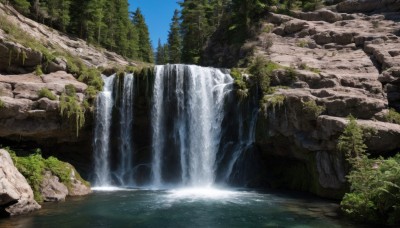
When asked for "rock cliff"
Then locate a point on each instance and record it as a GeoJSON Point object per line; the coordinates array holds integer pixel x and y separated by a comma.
{"type": "Point", "coordinates": [339, 62]}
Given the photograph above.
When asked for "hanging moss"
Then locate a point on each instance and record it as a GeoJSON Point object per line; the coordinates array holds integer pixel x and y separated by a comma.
{"type": "Point", "coordinates": [71, 109]}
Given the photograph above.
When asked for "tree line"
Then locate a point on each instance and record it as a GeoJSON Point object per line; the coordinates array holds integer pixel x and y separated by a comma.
{"type": "Point", "coordinates": [107, 23]}
{"type": "Point", "coordinates": [192, 27]}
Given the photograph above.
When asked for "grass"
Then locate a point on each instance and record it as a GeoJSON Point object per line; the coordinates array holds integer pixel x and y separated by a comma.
{"type": "Point", "coordinates": [2, 105]}
{"type": "Point", "coordinates": [302, 43]}
{"type": "Point", "coordinates": [392, 116]}
{"type": "Point", "coordinates": [45, 92]}
{"type": "Point", "coordinates": [304, 66]}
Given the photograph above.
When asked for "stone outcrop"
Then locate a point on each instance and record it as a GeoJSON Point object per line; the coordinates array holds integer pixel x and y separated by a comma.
{"type": "Point", "coordinates": [25, 114]}
{"type": "Point", "coordinates": [52, 189]}
{"type": "Point", "coordinates": [16, 196]}
{"type": "Point", "coordinates": [345, 63]}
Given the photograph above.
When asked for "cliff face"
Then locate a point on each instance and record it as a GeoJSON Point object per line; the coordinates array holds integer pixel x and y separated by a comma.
{"type": "Point", "coordinates": [346, 63]}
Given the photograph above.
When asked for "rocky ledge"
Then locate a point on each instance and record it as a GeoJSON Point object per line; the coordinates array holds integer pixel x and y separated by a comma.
{"type": "Point", "coordinates": [334, 64]}
{"type": "Point", "coordinates": [25, 113]}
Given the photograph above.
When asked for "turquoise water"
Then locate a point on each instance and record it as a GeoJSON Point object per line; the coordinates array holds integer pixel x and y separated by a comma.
{"type": "Point", "coordinates": [183, 208]}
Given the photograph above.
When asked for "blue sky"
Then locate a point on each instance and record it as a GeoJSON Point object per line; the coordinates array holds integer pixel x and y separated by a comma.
{"type": "Point", "coordinates": [158, 15]}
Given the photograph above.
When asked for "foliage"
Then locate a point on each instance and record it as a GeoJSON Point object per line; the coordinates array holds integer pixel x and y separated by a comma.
{"type": "Point", "coordinates": [32, 167]}
{"type": "Point", "coordinates": [261, 70]}
{"type": "Point", "coordinates": [393, 116]}
{"type": "Point", "coordinates": [145, 49]}
{"type": "Point", "coordinates": [302, 43]}
{"type": "Point", "coordinates": [174, 40]}
{"type": "Point", "coordinates": [45, 92]}
{"type": "Point", "coordinates": [272, 101]}
{"type": "Point", "coordinates": [311, 108]}
{"type": "Point", "coordinates": [38, 70]}
{"type": "Point", "coordinates": [351, 142]}
{"type": "Point", "coordinates": [101, 22]}
{"type": "Point", "coordinates": [162, 54]}
{"type": "Point", "coordinates": [71, 109]}
{"type": "Point", "coordinates": [375, 191]}
{"type": "Point", "coordinates": [2, 105]}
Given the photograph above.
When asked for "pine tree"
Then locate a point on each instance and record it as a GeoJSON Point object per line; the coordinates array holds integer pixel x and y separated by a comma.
{"type": "Point", "coordinates": [160, 56]}
{"type": "Point", "coordinates": [174, 40]}
{"type": "Point", "coordinates": [145, 49]}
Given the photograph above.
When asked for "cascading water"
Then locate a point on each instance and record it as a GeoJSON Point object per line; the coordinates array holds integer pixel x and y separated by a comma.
{"type": "Point", "coordinates": [101, 144]}
{"type": "Point", "coordinates": [188, 109]}
{"type": "Point", "coordinates": [191, 132]}
{"type": "Point", "coordinates": [124, 174]}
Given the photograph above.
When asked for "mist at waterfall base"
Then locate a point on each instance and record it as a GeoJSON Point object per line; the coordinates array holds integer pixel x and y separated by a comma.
{"type": "Point", "coordinates": [175, 148]}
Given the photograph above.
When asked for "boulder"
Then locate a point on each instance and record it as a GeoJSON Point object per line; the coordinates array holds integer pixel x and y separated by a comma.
{"type": "Point", "coordinates": [368, 6]}
{"type": "Point", "coordinates": [16, 196]}
{"type": "Point", "coordinates": [51, 189]}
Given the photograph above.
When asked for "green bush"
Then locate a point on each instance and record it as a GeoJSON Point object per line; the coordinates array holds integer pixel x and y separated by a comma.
{"type": "Point", "coordinates": [261, 70]}
{"type": "Point", "coordinates": [311, 108]}
{"type": "Point", "coordinates": [32, 167]}
{"type": "Point", "coordinates": [351, 142]}
{"type": "Point", "coordinates": [393, 116]}
{"type": "Point", "coordinates": [236, 74]}
{"type": "Point", "coordinates": [45, 92]}
{"type": "Point", "coordinates": [38, 70]}
{"type": "Point", "coordinates": [71, 109]}
{"type": "Point", "coordinates": [375, 191]}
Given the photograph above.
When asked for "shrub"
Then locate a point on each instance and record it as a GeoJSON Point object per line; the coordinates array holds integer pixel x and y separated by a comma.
{"type": "Point", "coordinates": [302, 43]}
{"type": "Point", "coordinates": [261, 70]}
{"type": "Point", "coordinates": [351, 142]}
{"type": "Point", "coordinates": [311, 108]}
{"type": "Point", "coordinates": [393, 116]}
{"type": "Point", "coordinates": [2, 105]}
{"type": "Point", "coordinates": [71, 109]}
{"type": "Point", "coordinates": [45, 92]}
{"type": "Point", "coordinates": [236, 74]}
{"type": "Point", "coordinates": [375, 191]}
{"type": "Point", "coordinates": [32, 167]}
{"type": "Point", "coordinates": [38, 70]}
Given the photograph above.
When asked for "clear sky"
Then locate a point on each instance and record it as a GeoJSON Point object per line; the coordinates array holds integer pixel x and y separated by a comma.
{"type": "Point", "coordinates": [158, 15]}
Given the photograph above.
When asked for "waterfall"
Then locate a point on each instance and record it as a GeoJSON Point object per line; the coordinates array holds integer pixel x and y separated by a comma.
{"type": "Point", "coordinates": [124, 174]}
{"type": "Point", "coordinates": [192, 131]}
{"type": "Point", "coordinates": [101, 144]}
{"type": "Point", "coordinates": [187, 113]}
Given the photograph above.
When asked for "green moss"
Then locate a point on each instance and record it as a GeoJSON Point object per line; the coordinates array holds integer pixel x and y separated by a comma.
{"type": "Point", "coordinates": [311, 108]}
{"type": "Point", "coordinates": [31, 167]}
{"type": "Point", "coordinates": [38, 70]}
{"type": "Point", "coordinates": [393, 116]}
{"type": "Point", "coordinates": [272, 101]}
{"type": "Point", "coordinates": [45, 92]}
{"type": "Point", "coordinates": [71, 109]}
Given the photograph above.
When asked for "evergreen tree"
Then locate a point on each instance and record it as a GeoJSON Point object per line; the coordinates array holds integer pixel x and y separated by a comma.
{"type": "Point", "coordinates": [351, 142]}
{"type": "Point", "coordinates": [145, 49]}
{"type": "Point", "coordinates": [160, 54]}
{"type": "Point", "coordinates": [174, 40]}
